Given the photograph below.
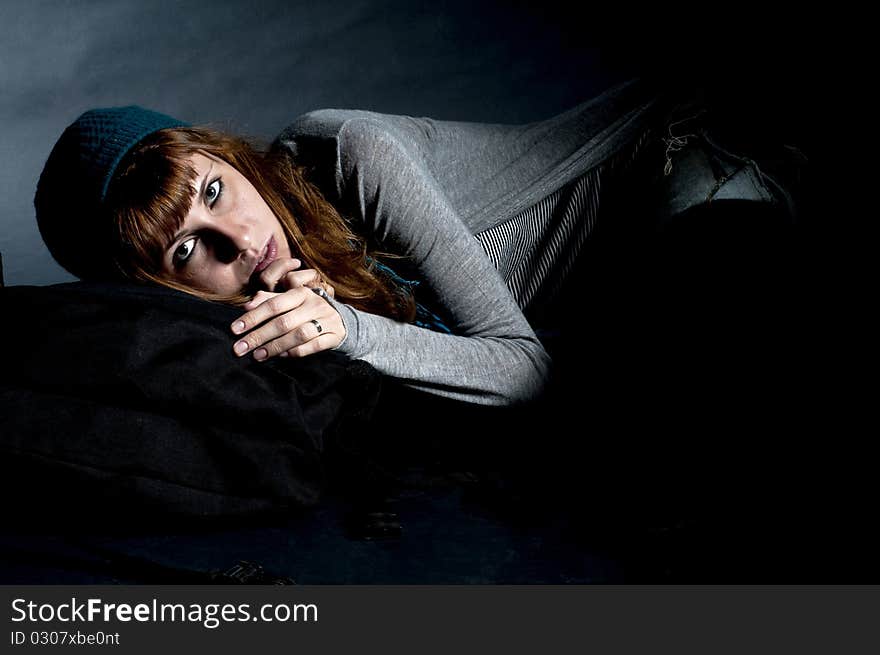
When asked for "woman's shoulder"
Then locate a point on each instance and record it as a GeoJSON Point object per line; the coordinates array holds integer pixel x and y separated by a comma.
{"type": "Point", "coordinates": [340, 140]}
{"type": "Point", "coordinates": [334, 124]}
{"type": "Point", "coordinates": [320, 122]}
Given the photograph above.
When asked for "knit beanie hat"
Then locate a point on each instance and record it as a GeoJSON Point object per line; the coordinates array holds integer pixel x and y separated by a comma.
{"type": "Point", "coordinates": [71, 192]}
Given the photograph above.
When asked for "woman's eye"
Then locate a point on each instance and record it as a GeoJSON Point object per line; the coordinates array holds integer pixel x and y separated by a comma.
{"type": "Point", "coordinates": [213, 191]}
{"type": "Point", "coordinates": [185, 250]}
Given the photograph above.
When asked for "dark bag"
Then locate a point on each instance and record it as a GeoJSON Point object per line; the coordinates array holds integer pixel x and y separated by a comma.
{"type": "Point", "coordinates": [130, 398]}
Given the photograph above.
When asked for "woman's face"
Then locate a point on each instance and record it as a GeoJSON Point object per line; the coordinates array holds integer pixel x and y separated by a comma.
{"type": "Point", "coordinates": [229, 234]}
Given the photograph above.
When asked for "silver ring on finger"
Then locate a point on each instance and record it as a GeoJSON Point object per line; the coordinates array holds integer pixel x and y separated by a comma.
{"type": "Point", "coordinates": [321, 292]}
{"type": "Point", "coordinates": [317, 326]}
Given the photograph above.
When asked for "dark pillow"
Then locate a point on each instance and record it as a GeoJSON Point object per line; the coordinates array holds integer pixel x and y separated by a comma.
{"type": "Point", "coordinates": [123, 401]}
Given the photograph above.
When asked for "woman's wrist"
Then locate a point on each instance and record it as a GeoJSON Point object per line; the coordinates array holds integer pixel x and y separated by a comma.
{"type": "Point", "coordinates": [349, 322]}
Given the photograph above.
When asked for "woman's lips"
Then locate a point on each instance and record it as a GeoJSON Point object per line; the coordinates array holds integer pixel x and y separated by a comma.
{"type": "Point", "coordinates": [269, 256]}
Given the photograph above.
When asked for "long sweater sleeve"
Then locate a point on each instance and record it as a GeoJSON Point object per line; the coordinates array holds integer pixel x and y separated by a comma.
{"type": "Point", "coordinates": [422, 188]}
{"type": "Point", "coordinates": [493, 357]}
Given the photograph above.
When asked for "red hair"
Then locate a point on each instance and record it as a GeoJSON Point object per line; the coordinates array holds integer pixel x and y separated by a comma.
{"type": "Point", "coordinates": [152, 192]}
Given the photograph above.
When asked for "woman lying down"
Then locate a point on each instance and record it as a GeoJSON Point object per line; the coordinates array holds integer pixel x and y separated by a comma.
{"type": "Point", "coordinates": [417, 245]}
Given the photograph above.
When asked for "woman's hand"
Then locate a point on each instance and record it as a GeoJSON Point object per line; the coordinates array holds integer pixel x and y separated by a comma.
{"type": "Point", "coordinates": [295, 322]}
{"type": "Point", "coordinates": [284, 273]}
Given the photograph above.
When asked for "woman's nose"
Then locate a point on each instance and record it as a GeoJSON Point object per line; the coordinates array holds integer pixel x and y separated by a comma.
{"type": "Point", "coordinates": [238, 241]}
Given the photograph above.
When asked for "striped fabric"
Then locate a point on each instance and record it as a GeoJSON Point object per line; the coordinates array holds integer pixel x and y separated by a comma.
{"type": "Point", "coordinates": [535, 250]}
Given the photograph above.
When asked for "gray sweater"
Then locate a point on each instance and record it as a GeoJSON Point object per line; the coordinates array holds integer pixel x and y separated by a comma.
{"type": "Point", "coordinates": [423, 188]}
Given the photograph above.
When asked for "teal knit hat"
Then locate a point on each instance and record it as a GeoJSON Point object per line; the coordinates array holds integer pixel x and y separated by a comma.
{"type": "Point", "coordinates": [73, 186]}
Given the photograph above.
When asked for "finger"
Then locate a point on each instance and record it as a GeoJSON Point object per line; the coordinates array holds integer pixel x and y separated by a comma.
{"type": "Point", "coordinates": [259, 298]}
{"type": "Point", "coordinates": [273, 273]}
{"type": "Point", "coordinates": [308, 277]}
{"type": "Point", "coordinates": [290, 332]}
{"type": "Point", "coordinates": [278, 303]}
{"type": "Point", "coordinates": [322, 342]}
